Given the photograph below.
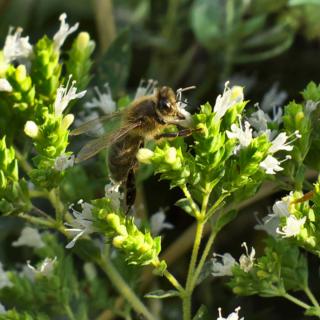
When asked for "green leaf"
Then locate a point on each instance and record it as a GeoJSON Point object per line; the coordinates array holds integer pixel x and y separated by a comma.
{"type": "Point", "coordinates": [115, 64]}
{"type": "Point", "coordinates": [184, 204]}
{"type": "Point", "coordinates": [162, 294]}
{"type": "Point", "coordinates": [202, 313]}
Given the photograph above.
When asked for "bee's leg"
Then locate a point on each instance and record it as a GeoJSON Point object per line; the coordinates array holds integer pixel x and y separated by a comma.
{"type": "Point", "coordinates": [181, 133]}
{"type": "Point", "coordinates": [130, 190]}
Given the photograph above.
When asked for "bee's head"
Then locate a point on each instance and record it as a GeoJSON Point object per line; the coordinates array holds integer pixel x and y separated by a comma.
{"type": "Point", "coordinates": [167, 107]}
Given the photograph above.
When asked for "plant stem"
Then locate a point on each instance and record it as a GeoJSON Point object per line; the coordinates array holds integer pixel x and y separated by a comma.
{"type": "Point", "coordinates": [203, 257]}
{"type": "Point", "coordinates": [186, 299]}
{"type": "Point", "coordinates": [123, 288]}
{"type": "Point", "coordinates": [25, 165]}
{"type": "Point", "coordinates": [36, 220]}
{"type": "Point", "coordinates": [69, 312]}
{"type": "Point", "coordinates": [173, 281]}
{"type": "Point", "coordinates": [193, 205]}
{"type": "Point", "coordinates": [54, 197]}
{"type": "Point", "coordinates": [311, 296]}
{"type": "Point", "coordinates": [296, 301]}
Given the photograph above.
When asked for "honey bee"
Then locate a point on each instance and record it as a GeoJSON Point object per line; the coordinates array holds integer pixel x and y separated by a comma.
{"type": "Point", "coordinates": [143, 119]}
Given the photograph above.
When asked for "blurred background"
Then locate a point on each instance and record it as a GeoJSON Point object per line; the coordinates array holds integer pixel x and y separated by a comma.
{"type": "Point", "coordinates": [271, 47]}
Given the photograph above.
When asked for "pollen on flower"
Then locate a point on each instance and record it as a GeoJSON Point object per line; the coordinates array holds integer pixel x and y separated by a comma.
{"type": "Point", "coordinates": [64, 31]}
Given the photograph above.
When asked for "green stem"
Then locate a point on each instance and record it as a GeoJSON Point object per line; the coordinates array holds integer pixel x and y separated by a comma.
{"type": "Point", "coordinates": [36, 220]}
{"type": "Point", "coordinates": [311, 296]}
{"type": "Point", "coordinates": [296, 301]}
{"type": "Point", "coordinates": [193, 205]}
{"type": "Point", "coordinates": [22, 161]}
{"type": "Point", "coordinates": [173, 281]}
{"type": "Point", "coordinates": [186, 299]}
{"type": "Point", "coordinates": [69, 312]}
{"type": "Point", "coordinates": [54, 197]}
{"type": "Point", "coordinates": [203, 257]}
{"type": "Point", "coordinates": [123, 288]}
{"type": "Point", "coordinates": [213, 209]}
{"type": "Point", "coordinates": [38, 194]}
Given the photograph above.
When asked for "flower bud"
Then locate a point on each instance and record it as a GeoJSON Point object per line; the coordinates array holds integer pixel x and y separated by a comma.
{"type": "Point", "coordinates": [144, 155]}
{"type": "Point", "coordinates": [237, 93]}
{"type": "Point", "coordinates": [83, 40]}
{"type": "Point", "coordinates": [21, 73]}
{"type": "Point", "coordinates": [113, 220]}
{"type": "Point", "coordinates": [171, 155]}
{"type": "Point", "coordinates": [31, 129]}
{"type": "Point", "coordinates": [67, 121]}
{"type": "Point", "coordinates": [118, 241]}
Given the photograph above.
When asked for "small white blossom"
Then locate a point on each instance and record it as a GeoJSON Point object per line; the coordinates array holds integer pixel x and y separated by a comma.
{"type": "Point", "coordinates": [65, 95]}
{"type": "Point", "coordinates": [29, 237]}
{"type": "Point", "coordinates": [271, 165]}
{"type": "Point", "coordinates": [232, 316]}
{"type": "Point", "coordinates": [63, 32]}
{"type": "Point", "coordinates": [157, 222]}
{"type": "Point", "coordinates": [292, 228]}
{"type": "Point", "coordinates": [82, 223]}
{"type": "Point", "coordinates": [281, 208]}
{"type": "Point", "coordinates": [244, 136]}
{"type": "Point", "coordinates": [45, 269]}
{"type": "Point", "coordinates": [259, 120]}
{"type": "Point", "coordinates": [4, 279]}
{"type": "Point", "coordinates": [222, 265]}
{"type": "Point", "coordinates": [273, 98]}
{"type": "Point", "coordinates": [63, 162]}
{"type": "Point", "coordinates": [112, 192]}
{"type": "Point", "coordinates": [311, 106]}
{"type": "Point", "coordinates": [145, 88]}
{"type": "Point", "coordinates": [15, 46]}
{"type": "Point", "coordinates": [5, 85]}
{"type": "Point", "coordinates": [2, 309]}
{"type": "Point", "coordinates": [280, 143]}
{"type": "Point", "coordinates": [247, 260]}
{"type": "Point", "coordinates": [229, 98]}
{"type": "Point", "coordinates": [103, 101]}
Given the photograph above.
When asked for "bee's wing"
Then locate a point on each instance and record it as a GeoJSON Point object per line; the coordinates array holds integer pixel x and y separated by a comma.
{"type": "Point", "coordinates": [92, 124]}
{"type": "Point", "coordinates": [94, 146]}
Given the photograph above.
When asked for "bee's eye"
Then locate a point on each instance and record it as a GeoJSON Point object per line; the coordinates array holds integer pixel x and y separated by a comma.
{"type": "Point", "coordinates": [164, 104]}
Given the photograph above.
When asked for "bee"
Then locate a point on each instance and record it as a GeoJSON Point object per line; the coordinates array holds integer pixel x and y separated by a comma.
{"type": "Point", "coordinates": [143, 119]}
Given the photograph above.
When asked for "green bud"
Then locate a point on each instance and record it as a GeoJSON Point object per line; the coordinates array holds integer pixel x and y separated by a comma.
{"type": "Point", "coordinates": [21, 73]}
{"type": "Point", "coordinates": [82, 40]}
{"type": "Point", "coordinates": [67, 121]}
{"type": "Point", "coordinates": [118, 241]}
{"type": "Point", "coordinates": [171, 155]}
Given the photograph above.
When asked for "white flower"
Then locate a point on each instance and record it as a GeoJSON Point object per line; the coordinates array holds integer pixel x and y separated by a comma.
{"type": "Point", "coordinates": [15, 46]}
{"type": "Point", "coordinates": [187, 122]}
{"type": "Point", "coordinates": [244, 136]}
{"type": "Point", "coordinates": [5, 85]}
{"type": "Point", "coordinates": [271, 165]}
{"type": "Point", "coordinates": [229, 98]}
{"type": "Point", "coordinates": [65, 95]}
{"type": "Point", "coordinates": [271, 222]}
{"type": "Point", "coordinates": [45, 269]}
{"type": "Point", "coordinates": [145, 88]}
{"type": "Point", "coordinates": [157, 222]}
{"type": "Point", "coordinates": [279, 143]}
{"type": "Point", "coordinates": [82, 223]}
{"type": "Point", "coordinates": [29, 237]}
{"type": "Point", "coordinates": [104, 100]}
{"type": "Point", "coordinates": [4, 279]}
{"type": "Point", "coordinates": [2, 309]}
{"type": "Point", "coordinates": [63, 162]}
{"type": "Point", "coordinates": [292, 227]}
{"type": "Point", "coordinates": [259, 121]}
{"type": "Point", "coordinates": [311, 106]}
{"type": "Point", "coordinates": [273, 98]}
{"type": "Point", "coordinates": [222, 265]}
{"type": "Point", "coordinates": [63, 32]}
{"type": "Point", "coordinates": [232, 316]}
{"type": "Point", "coordinates": [247, 260]}
{"type": "Point", "coordinates": [112, 192]}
